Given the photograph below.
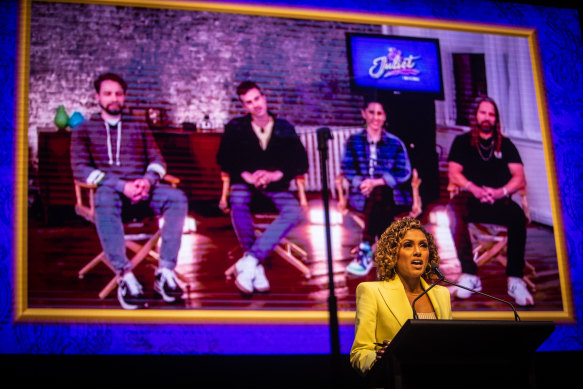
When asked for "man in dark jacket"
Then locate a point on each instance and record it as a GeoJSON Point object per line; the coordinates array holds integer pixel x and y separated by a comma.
{"type": "Point", "coordinates": [261, 154]}
{"type": "Point", "coordinates": [123, 160]}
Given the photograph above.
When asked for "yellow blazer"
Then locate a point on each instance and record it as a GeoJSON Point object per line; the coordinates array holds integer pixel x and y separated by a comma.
{"type": "Point", "coordinates": [382, 308]}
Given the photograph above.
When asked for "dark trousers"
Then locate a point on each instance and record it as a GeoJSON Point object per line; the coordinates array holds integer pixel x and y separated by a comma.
{"type": "Point", "coordinates": [464, 209]}
{"type": "Point", "coordinates": [379, 212]}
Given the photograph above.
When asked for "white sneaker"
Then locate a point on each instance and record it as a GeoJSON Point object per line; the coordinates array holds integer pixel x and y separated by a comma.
{"type": "Point", "coordinates": [469, 281]}
{"type": "Point", "coordinates": [260, 282]}
{"type": "Point", "coordinates": [363, 262]}
{"type": "Point", "coordinates": [129, 292]}
{"type": "Point", "coordinates": [245, 269]}
{"type": "Point", "coordinates": [166, 286]}
{"type": "Point", "coordinates": [517, 289]}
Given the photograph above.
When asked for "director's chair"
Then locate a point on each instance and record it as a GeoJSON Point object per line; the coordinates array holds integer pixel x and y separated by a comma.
{"type": "Point", "coordinates": [289, 251]}
{"type": "Point", "coordinates": [141, 232]}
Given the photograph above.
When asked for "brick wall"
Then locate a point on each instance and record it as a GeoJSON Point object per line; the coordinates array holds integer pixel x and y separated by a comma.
{"type": "Point", "coordinates": [189, 63]}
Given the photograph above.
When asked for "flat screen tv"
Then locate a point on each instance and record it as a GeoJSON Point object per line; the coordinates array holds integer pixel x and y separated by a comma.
{"type": "Point", "coordinates": [396, 65]}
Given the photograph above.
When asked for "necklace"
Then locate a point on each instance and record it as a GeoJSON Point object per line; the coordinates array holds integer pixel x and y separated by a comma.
{"type": "Point", "coordinates": [488, 149]}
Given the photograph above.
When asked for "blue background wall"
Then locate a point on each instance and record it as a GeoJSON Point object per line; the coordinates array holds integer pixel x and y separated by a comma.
{"type": "Point", "coordinates": [561, 56]}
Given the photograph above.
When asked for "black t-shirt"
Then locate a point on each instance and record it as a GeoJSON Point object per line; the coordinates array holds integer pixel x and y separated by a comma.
{"type": "Point", "coordinates": [483, 167]}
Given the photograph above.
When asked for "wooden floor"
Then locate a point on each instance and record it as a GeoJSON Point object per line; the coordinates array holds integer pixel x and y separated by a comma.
{"type": "Point", "coordinates": [57, 251]}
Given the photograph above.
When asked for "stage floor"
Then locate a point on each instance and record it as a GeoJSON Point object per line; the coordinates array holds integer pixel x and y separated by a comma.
{"type": "Point", "coordinates": [57, 252]}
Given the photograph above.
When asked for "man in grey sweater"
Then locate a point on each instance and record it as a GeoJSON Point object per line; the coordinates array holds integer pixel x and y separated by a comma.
{"type": "Point", "coordinates": [123, 160]}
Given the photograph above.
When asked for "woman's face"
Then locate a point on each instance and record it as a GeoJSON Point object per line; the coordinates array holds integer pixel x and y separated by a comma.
{"type": "Point", "coordinates": [375, 116]}
{"type": "Point", "coordinates": [413, 254]}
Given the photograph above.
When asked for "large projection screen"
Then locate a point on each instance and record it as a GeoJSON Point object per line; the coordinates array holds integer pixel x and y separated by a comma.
{"type": "Point", "coordinates": [187, 59]}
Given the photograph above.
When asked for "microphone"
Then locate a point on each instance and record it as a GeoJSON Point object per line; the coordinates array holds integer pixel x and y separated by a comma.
{"type": "Point", "coordinates": [324, 134]}
{"type": "Point", "coordinates": [436, 271]}
{"type": "Point", "coordinates": [441, 278]}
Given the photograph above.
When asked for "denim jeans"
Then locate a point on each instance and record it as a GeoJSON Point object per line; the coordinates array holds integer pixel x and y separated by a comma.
{"type": "Point", "coordinates": [289, 215]}
{"type": "Point", "coordinates": [166, 201]}
{"type": "Point", "coordinates": [464, 209]}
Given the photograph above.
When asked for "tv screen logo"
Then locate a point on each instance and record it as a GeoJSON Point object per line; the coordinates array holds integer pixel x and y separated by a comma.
{"type": "Point", "coordinates": [394, 64]}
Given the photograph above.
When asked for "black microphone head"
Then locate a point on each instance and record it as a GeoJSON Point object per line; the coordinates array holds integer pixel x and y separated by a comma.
{"type": "Point", "coordinates": [324, 133]}
{"type": "Point", "coordinates": [435, 270]}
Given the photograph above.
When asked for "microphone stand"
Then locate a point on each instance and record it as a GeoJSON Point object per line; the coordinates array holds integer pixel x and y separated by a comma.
{"type": "Point", "coordinates": [516, 317]}
{"type": "Point", "coordinates": [435, 270]}
{"type": "Point", "coordinates": [323, 136]}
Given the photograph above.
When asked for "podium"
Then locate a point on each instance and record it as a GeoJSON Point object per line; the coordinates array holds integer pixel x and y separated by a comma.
{"type": "Point", "coordinates": [461, 353]}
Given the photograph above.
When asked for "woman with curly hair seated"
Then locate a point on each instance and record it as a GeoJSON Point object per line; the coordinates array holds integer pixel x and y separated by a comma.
{"type": "Point", "coordinates": [403, 256]}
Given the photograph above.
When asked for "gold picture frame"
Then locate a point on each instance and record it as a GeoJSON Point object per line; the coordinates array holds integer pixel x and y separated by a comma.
{"type": "Point", "coordinates": [25, 313]}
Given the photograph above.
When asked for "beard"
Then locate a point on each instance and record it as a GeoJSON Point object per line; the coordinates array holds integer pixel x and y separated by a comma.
{"type": "Point", "coordinates": [112, 108]}
{"type": "Point", "coordinates": [486, 127]}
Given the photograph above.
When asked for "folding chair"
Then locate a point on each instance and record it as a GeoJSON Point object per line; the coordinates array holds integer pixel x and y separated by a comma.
{"type": "Point", "coordinates": [490, 241]}
{"type": "Point", "coordinates": [140, 234]}
{"type": "Point", "coordinates": [289, 251]}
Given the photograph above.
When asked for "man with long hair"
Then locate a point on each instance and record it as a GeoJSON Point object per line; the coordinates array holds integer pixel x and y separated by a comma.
{"type": "Point", "coordinates": [487, 167]}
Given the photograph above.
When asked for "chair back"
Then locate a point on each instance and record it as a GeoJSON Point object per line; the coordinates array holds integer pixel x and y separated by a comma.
{"type": "Point", "coordinates": [85, 200]}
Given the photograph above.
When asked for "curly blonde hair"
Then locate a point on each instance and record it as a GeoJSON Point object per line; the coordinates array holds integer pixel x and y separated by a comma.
{"type": "Point", "coordinates": [389, 244]}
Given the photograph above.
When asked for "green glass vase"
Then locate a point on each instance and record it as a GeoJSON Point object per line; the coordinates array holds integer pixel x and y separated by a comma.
{"type": "Point", "coordinates": [61, 118]}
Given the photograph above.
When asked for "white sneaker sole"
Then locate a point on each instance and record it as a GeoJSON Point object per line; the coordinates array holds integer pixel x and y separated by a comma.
{"type": "Point", "coordinates": [463, 295]}
{"type": "Point", "coordinates": [363, 272]}
{"type": "Point", "coordinates": [527, 303]}
{"type": "Point", "coordinates": [242, 288]}
{"type": "Point", "coordinates": [160, 292]}
{"type": "Point", "coordinates": [126, 305]}
{"type": "Point", "coordinates": [261, 290]}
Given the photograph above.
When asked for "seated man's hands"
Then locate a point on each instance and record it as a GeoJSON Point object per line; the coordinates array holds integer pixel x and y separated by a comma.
{"type": "Point", "coordinates": [261, 178]}
{"type": "Point", "coordinates": [486, 194]}
{"type": "Point", "coordinates": [137, 190]}
{"type": "Point", "coordinates": [368, 184]}
{"type": "Point", "coordinates": [494, 194]}
{"type": "Point", "coordinates": [481, 193]}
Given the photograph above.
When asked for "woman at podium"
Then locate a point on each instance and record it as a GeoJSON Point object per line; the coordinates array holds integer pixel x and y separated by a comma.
{"type": "Point", "coordinates": [403, 256]}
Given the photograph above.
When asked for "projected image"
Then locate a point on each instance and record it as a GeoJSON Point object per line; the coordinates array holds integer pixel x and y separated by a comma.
{"type": "Point", "coordinates": [188, 179]}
